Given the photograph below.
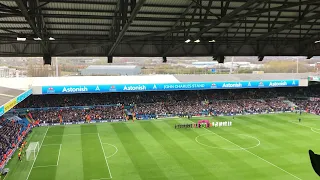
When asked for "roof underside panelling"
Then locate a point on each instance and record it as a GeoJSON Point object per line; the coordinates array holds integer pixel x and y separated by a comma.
{"type": "Point", "coordinates": [84, 7]}
{"type": "Point", "coordinates": [159, 20]}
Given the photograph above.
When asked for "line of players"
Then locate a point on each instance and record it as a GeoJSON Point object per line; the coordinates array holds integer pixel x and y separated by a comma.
{"type": "Point", "coordinates": [178, 126]}
{"type": "Point", "coordinates": [23, 145]}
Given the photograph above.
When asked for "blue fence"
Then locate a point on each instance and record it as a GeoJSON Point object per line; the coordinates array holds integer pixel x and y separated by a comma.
{"type": "Point", "coordinates": [167, 87]}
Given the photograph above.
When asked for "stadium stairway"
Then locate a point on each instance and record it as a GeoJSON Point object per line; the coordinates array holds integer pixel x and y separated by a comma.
{"type": "Point", "coordinates": [23, 121]}
{"type": "Point", "coordinates": [29, 119]}
{"type": "Point", "coordinates": [290, 103]}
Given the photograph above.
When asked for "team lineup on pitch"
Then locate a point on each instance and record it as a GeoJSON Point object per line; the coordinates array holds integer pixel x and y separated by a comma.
{"type": "Point", "coordinates": [140, 149]}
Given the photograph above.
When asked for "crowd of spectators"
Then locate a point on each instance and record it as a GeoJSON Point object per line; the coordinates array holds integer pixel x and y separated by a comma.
{"type": "Point", "coordinates": [75, 115]}
{"type": "Point", "coordinates": [218, 107]}
{"type": "Point", "coordinates": [309, 106]}
{"type": "Point", "coordinates": [235, 101]}
{"type": "Point", "coordinates": [9, 133]}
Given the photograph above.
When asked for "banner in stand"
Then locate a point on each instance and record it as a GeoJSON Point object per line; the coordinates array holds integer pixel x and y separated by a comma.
{"type": "Point", "coordinates": [167, 87]}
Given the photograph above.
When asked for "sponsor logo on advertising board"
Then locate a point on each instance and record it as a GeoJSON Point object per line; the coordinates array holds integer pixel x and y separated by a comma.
{"type": "Point", "coordinates": [50, 90]}
{"type": "Point", "coordinates": [74, 90]}
{"type": "Point", "coordinates": [232, 85]}
{"type": "Point", "coordinates": [135, 88]}
{"type": "Point", "coordinates": [276, 84]}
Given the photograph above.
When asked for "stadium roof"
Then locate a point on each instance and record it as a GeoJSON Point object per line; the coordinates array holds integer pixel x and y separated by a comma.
{"type": "Point", "coordinates": [6, 94]}
{"type": "Point", "coordinates": [240, 77]}
{"type": "Point", "coordinates": [159, 27]}
{"type": "Point", "coordinates": [100, 80]}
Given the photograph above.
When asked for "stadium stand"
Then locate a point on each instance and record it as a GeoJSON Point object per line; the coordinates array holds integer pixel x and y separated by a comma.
{"type": "Point", "coordinates": [146, 105]}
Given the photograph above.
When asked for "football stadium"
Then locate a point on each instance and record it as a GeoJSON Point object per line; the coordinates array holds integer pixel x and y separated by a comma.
{"type": "Point", "coordinates": [163, 127]}
{"type": "Point", "coordinates": [159, 90]}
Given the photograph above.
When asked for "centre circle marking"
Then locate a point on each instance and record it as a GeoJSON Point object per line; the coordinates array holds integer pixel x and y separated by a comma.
{"type": "Point", "coordinates": [234, 149]}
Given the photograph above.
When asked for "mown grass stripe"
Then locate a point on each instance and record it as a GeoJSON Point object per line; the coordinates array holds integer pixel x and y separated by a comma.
{"type": "Point", "coordinates": [165, 161]}
{"type": "Point", "coordinates": [121, 164]}
{"type": "Point", "coordinates": [94, 165]}
{"type": "Point", "coordinates": [71, 153]}
{"type": "Point", "coordinates": [144, 163]}
{"type": "Point", "coordinates": [186, 160]}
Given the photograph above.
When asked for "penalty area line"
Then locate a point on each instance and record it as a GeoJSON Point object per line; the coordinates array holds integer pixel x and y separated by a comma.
{"type": "Point", "coordinates": [255, 155]}
{"type": "Point", "coordinates": [51, 145]}
{"type": "Point", "coordinates": [44, 166]}
{"type": "Point", "coordinates": [73, 134]}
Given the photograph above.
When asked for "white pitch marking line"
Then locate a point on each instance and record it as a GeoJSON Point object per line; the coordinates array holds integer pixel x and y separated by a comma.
{"type": "Point", "coordinates": [59, 155]}
{"type": "Point", "coordinates": [101, 178]}
{"type": "Point", "coordinates": [104, 155]}
{"type": "Point", "coordinates": [230, 149]}
{"type": "Point", "coordinates": [312, 128]}
{"type": "Point", "coordinates": [255, 155]}
{"type": "Point", "coordinates": [72, 134]}
{"type": "Point", "coordinates": [114, 147]}
{"type": "Point", "coordinates": [51, 145]}
{"type": "Point", "coordinates": [44, 166]}
{"type": "Point", "coordinates": [37, 153]}
{"type": "Point", "coordinates": [303, 125]}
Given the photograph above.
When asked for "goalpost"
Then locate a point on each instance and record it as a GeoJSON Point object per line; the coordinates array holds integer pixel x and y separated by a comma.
{"type": "Point", "coordinates": [32, 151]}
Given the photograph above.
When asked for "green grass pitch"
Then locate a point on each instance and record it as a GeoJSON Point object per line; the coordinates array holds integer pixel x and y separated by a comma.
{"type": "Point", "coordinates": [273, 146]}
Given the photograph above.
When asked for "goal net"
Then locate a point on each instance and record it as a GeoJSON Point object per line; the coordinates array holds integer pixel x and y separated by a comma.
{"type": "Point", "coordinates": [32, 151]}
